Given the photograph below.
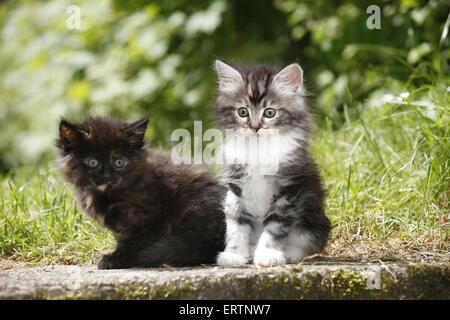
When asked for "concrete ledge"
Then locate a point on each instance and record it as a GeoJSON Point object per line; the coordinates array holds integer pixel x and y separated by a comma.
{"type": "Point", "coordinates": [307, 281]}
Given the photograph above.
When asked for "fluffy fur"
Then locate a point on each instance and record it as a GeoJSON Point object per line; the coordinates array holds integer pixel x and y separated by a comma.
{"type": "Point", "coordinates": [279, 217]}
{"type": "Point", "coordinates": [160, 212]}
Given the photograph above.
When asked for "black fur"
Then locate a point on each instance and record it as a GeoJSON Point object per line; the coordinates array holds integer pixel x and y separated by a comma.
{"type": "Point", "coordinates": [160, 212]}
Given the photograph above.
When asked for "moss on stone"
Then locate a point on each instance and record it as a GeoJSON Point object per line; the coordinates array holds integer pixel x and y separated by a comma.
{"type": "Point", "coordinates": [428, 281]}
{"type": "Point", "coordinates": [415, 281]}
{"type": "Point", "coordinates": [345, 284]}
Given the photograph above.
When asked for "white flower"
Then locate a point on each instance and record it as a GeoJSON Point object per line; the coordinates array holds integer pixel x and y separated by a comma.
{"type": "Point", "coordinates": [404, 95]}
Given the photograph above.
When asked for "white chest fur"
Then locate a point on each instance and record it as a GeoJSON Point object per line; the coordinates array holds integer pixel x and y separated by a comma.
{"type": "Point", "coordinates": [257, 191]}
{"type": "Point", "coordinates": [261, 158]}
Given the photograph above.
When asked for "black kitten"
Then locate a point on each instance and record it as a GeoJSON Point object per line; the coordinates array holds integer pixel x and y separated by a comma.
{"type": "Point", "coordinates": [159, 212]}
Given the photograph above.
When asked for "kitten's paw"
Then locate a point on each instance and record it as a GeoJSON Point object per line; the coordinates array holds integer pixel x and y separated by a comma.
{"type": "Point", "coordinates": [110, 262]}
{"type": "Point", "coordinates": [227, 258]}
{"type": "Point", "coordinates": [269, 257]}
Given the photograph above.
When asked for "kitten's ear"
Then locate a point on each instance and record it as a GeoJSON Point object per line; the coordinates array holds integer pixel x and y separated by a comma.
{"type": "Point", "coordinates": [230, 80]}
{"type": "Point", "coordinates": [136, 132]}
{"type": "Point", "coordinates": [289, 80]}
{"type": "Point", "coordinates": [70, 135]}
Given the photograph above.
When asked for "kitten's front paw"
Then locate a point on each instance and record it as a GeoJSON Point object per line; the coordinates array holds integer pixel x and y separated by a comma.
{"type": "Point", "coordinates": [109, 261]}
{"type": "Point", "coordinates": [227, 258]}
{"type": "Point", "coordinates": [269, 257]}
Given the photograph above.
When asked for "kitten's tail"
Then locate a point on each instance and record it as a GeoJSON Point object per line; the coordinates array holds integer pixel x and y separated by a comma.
{"type": "Point", "coordinates": [177, 251]}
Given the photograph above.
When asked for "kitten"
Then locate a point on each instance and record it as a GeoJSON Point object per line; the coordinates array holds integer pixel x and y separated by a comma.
{"type": "Point", "coordinates": [271, 218]}
{"type": "Point", "coordinates": [159, 212]}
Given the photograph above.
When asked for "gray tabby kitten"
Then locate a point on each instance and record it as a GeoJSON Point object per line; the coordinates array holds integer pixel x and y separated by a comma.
{"type": "Point", "coordinates": [271, 218]}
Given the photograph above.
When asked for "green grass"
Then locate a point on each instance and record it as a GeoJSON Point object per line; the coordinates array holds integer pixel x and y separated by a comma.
{"type": "Point", "coordinates": [386, 170]}
{"type": "Point", "coordinates": [41, 224]}
{"type": "Point", "coordinates": [388, 175]}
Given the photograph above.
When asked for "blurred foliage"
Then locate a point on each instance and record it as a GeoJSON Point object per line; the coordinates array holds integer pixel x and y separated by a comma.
{"type": "Point", "coordinates": [135, 58]}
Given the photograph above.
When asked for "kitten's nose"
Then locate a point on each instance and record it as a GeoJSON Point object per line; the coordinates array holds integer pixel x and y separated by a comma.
{"type": "Point", "coordinates": [255, 125]}
{"type": "Point", "coordinates": [106, 176]}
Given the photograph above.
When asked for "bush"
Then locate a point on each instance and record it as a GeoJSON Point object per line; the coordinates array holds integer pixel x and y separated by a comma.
{"type": "Point", "coordinates": [132, 59]}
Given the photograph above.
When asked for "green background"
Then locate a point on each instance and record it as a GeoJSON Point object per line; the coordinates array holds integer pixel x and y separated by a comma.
{"type": "Point", "coordinates": [155, 58]}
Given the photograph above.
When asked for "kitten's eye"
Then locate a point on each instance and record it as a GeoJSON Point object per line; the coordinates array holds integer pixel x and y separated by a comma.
{"type": "Point", "coordinates": [91, 163]}
{"type": "Point", "coordinates": [243, 112]}
{"type": "Point", "coordinates": [269, 113]}
{"type": "Point", "coordinates": [120, 163]}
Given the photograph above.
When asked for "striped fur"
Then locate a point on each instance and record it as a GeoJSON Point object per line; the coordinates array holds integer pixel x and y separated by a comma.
{"type": "Point", "coordinates": [277, 218]}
